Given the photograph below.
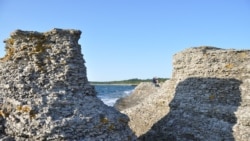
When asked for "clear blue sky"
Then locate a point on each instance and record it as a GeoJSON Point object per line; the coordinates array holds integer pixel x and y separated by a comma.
{"type": "Point", "coordinates": [123, 39]}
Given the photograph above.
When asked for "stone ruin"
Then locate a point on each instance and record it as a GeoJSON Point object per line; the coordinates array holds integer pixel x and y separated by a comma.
{"type": "Point", "coordinates": [45, 93]}
{"type": "Point", "coordinates": [207, 98]}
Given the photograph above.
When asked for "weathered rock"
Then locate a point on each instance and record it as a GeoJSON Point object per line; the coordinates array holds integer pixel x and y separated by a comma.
{"type": "Point", "coordinates": [150, 105]}
{"type": "Point", "coordinates": [141, 91]}
{"type": "Point", "coordinates": [207, 98]}
{"type": "Point", "coordinates": [46, 95]}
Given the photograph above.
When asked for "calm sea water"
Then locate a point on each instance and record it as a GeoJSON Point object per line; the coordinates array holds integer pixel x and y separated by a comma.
{"type": "Point", "coordinates": [110, 93]}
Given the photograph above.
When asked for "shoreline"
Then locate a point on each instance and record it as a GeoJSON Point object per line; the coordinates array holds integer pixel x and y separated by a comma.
{"type": "Point", "coordinates": [116, 84]}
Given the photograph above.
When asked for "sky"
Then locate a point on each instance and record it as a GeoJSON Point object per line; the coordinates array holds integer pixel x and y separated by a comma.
{"type": "Point", "coordinates": [126, 39]}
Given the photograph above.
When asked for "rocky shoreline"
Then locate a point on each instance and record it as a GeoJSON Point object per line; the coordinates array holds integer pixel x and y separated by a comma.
{"type": "Point", "coordinates": [46, 95]}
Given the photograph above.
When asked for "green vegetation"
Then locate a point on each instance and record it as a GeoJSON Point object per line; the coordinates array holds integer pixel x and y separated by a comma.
{"type": "Point", "coordinates": [134, 81]}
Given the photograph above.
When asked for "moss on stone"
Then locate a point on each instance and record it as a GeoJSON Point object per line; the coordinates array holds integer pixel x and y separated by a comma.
{"type": "Point", "coordinates": [211, 97]}
{"type": "Point", "coordinates": [19, 108]}
{"type": "Point", "coordinates": [111, 127]}
{"type": "Point", "coordinates": [229, 66]}
{"type": "Point", "coordinates": [26, 109]}
{"type": "Point", "coordinates": [104, 120]}
{"type": "Point", "coordinates": [9, 54]}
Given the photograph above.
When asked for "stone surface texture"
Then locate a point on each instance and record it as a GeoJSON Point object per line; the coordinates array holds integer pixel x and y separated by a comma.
{"type": "Point", "coordinates": [45, 93]}
{"type": "Point", "coordinates": [207, 98]}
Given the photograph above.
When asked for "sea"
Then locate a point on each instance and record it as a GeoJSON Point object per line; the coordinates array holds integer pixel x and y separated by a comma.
{"type": "Point", "coordinates": [109, 94]}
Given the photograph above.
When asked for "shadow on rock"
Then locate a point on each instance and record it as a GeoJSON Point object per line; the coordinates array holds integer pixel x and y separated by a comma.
{"type": "Point", "coordinates": [202, 109]}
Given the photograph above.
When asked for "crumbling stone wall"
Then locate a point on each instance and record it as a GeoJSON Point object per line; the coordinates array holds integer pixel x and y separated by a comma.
{"type": "Point", "coordinates": [45, 92]}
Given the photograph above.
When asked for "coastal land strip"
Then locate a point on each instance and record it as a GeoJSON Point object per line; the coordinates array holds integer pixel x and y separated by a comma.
{"type": "Point", "coordinates": [133, 82]}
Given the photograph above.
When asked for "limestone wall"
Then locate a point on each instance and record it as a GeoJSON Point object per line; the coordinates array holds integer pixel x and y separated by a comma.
{"type": "Point", "coordinates": [45, 92]}
{"type": "Point", "coordinates": [207, 98]}
{"type": "Point", "coordinates": [211, 62]}
{"type": "Point", "coordinates": [213, 89]}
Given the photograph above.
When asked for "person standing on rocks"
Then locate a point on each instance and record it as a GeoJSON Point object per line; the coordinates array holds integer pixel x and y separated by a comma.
{"type": "Point", "coordinates": [156, 82]}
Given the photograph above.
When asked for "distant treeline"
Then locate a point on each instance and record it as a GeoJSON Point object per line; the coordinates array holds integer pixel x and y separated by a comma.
{"type": "Point", "coordinates": [134, 81]}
